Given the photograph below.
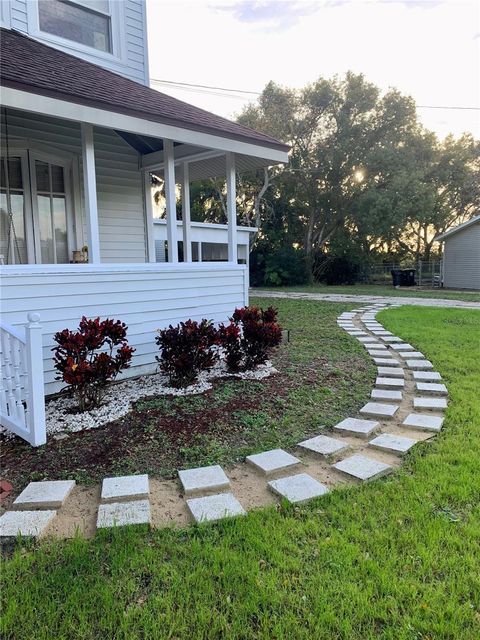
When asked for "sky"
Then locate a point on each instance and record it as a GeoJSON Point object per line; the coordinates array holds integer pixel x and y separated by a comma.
{"type": "Point", "coordinates": [428, 49]}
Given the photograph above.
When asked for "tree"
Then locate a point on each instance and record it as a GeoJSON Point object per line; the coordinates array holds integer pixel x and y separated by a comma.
{"type": "Point", "coordinates": [363, 172]}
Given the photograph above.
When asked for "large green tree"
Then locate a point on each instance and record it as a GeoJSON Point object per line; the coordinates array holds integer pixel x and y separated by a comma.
{"type": "Point", "coordinates": [363, 172]}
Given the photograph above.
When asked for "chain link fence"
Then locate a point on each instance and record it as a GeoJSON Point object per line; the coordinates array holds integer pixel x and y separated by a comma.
{"type": "Point", "coordinates": [428, 273]}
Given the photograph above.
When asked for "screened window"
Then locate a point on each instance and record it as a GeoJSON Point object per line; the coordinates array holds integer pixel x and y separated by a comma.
{"type": "Point", "coordinates": [87, 22]}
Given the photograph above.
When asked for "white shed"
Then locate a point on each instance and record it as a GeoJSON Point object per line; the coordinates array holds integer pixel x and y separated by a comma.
{"type": "Point", "coordinates": [461, 255]}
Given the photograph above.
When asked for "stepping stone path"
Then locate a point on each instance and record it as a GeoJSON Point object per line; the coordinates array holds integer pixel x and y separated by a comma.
{"type": "Point", "coordinates": [363, 468]}
{"type": "Point", "coordinates": [298, 488]}
{"type": "Point", "coordinates": [273, 461]}
{"type": "Point", "coordinates": [207, 490]}
{"type": "Point", "coordinates": [216, 507]}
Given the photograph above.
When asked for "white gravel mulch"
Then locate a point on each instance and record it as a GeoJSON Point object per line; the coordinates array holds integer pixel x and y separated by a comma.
{"type": "Point", "coordinates": [61, 416]}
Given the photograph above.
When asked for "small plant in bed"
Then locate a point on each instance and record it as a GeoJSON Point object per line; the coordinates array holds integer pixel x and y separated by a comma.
{"type": "Point", "coordinates": [250, 337]}
{"type": "Point", "coordinates": [186, 350]}
{"type": "Point", "coordinates": [91, 358]}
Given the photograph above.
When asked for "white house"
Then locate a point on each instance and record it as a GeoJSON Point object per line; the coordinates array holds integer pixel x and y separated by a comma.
{"type": "Point", "coordinates": [461, 255]}
{"type": "Point", "coordinates": [81, 133]}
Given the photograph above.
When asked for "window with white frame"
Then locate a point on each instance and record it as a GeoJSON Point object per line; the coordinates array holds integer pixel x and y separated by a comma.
{"type": "Point", "coordinates": [87, 22]}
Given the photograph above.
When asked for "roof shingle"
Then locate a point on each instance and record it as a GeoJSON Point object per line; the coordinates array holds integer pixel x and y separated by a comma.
{"type": "Point", "coordinates": [32, 66]}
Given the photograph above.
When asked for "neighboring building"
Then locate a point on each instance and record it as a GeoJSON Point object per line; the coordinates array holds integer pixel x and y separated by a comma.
{"type": "Point", "coordinates": [81, 134]}
{"type": "Point", "coordinates": [461, 255]}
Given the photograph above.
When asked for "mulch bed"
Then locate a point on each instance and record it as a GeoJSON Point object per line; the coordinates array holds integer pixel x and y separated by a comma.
{"type": "Point", "coordinates": [154, 437]}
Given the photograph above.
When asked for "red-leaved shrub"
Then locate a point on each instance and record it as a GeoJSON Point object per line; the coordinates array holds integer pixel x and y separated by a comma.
{"type": "Point", "coordinates": [186, 350]}
{"type": "Point", "coordinates": [250, 337]}
{"type": "Point", "coordinates": [86, 360]}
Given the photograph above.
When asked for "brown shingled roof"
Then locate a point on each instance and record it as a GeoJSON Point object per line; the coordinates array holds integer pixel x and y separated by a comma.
{"type": "Point", "coordinates": [31, 66]}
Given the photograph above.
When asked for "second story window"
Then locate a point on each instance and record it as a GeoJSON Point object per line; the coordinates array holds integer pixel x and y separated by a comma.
{"type": "Point", "coordinates": [87, 22]}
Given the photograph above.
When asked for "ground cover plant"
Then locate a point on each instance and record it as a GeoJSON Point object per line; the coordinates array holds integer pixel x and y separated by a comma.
{"type": "Point", "coordinates": [322, 375]}
{"type": "Point", "coordinates": [379, 290]}
{"type": "Point", "coordinates": [395, 559]}
{"type": "Point", "coordinates": [89, 359]}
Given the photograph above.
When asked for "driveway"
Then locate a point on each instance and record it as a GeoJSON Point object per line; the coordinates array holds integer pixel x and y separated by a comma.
{"type": "Point", "coordinates": [345, 297]}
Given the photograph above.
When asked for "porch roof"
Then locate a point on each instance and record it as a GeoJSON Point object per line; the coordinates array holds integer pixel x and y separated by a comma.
{"type": "Point", "coordinates": [28, 65]}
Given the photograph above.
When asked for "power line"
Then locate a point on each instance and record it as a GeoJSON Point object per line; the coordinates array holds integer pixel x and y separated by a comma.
{"type": "Point", "coordinates": [204, 88]}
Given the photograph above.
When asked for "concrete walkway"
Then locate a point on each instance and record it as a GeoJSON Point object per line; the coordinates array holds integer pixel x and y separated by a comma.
{"type": "Point", "coordinates": [365, 299]}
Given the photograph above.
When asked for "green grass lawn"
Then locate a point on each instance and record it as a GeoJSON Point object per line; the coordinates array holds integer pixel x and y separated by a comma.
{"type": "Point", "coordinates": [396, 559]}
{"type": "Point", "coordinates": [382, 290]}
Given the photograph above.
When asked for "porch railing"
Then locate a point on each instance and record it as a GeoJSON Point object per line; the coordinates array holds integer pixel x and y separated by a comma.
{"type": "Point", "coordinates": [22, 399]}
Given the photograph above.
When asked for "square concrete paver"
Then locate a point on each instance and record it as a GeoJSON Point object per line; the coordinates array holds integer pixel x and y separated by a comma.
{"type": "Point", "coordinates": [379, 410]}
{"type": "Point", "coordinates": [391, 372]}
{"type": "Point", "coordinates": [272, 461]}
{"type": "Point", "coordinates": [375, 345]}
{"type": "Point", "coordinates": [390, 442]}
{"type": "Point", "coordinates": [200, 479]}
{"type": "Point", "coordinates": [419, 365]}
{"type": "Point", "coordinates": [392, 339]}
{"type": "Point", "coordinates": [426, 375]}
{"type": "Point", "coordinates": [368, 340]}
{"type": "Point", "coordinates": [389, 383]}
{"type": "Point", "coordinates": [125, 488]}
{"type": "Point", "coordinates": [323, 445]}
{"type": "Point", "coordinates": [298, 488]}
{"type": "Point", "coordinates": [363, 468]}
{"type": "Point", "coordinates": [438, 404]}
{"type": "Point", "coordinates": [378, 353]}
{"type": "Point", "coordinates": [357, 427]}
{"type": "Point", "coordinates": [381, 332]}
{"type": "Point", "coordinates": [402, 346]}
{"type": "Point", "coordinates": [386, 362]}
{"type": "Point", "coordinates": [413, 355]}
{"type": "Point", "coordinates": [120, 514]}
{"type": "Point", "coordinates": [386, 394]}
{"type": "Point", "coordinates": [423, 421]}
{"type": "Point", "coordinates": [48, 494]}
{"type": "Point", "coordinates": [216, 507]}
{"type": "Point", "coordinates": [31, 524]}
{"type": "Point", "coordinates": [434, 388]}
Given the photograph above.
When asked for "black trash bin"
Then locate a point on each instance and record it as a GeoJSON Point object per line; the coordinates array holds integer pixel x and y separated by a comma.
{"type": "Point", "coordinates": [396, 277]}
{"type": "Point", "coordinates": [407, 278]}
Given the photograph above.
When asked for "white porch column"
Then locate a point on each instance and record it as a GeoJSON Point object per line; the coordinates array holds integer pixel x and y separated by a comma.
{"type": "Point", "coordinates": [231, 208]}
{"type": "Point", "coordinates": [151, 257]}
{"type": "Point", "coordinates": [90, 188]}
{"type": "Point", "coordinates": [169, 177]}
{"type": "Point", "coordinates": [187, 235]}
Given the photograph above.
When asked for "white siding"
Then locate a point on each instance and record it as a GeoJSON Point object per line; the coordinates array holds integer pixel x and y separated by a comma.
{"type": "Point", "coordinates": [119, 180]}
{"type": "Point", "coordinates": [461, 259]}
{"type": "Point", "coordinates": [133, 59]}
{"type": "Point", "coordinates": [145, 297]}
